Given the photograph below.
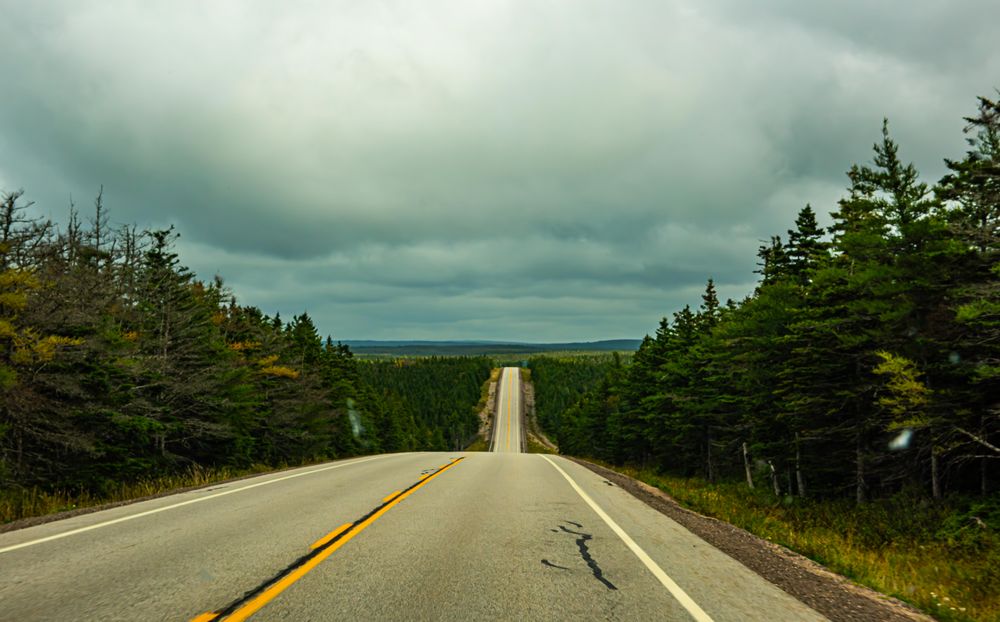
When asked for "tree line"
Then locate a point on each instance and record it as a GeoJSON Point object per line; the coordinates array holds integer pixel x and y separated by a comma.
{"type": "Point", "coordinates": [866, 361]}
{"type": "Point", "coordinates": [560, 382]}
{"type": "Point", "coordinates": [432, 400]}
{"type": "Point", "coordinates": [117, 363]}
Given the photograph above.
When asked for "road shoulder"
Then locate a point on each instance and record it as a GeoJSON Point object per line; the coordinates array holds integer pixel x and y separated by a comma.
{"type": "Point", "coordinates": [830, 594]}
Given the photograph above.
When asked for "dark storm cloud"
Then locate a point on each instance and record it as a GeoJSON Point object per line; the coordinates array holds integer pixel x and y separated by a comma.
{"type": "Point", "coordinates": [513, 170]}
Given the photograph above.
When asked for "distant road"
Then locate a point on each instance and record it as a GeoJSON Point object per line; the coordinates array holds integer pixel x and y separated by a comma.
{"type": "Point", "coordinates": [415, 536]}
{"type": "Point", "coordinates": [508, 436]}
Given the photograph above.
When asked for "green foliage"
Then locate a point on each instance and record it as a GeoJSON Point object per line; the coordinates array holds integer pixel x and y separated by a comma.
{"type": "Point", "coordinates": [117, 366]}
{"type": "Point", "coordinates": [864, 364]}
{"type": "Point", "coordinates": [427, 403]}
{"type": "Point", "coordinates": [559, 382]}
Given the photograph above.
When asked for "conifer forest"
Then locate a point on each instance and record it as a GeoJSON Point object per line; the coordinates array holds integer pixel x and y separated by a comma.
{"type": "Point", "coordinates": [865, 363]}
{"type": "Point", "coordinates": [117, 363]}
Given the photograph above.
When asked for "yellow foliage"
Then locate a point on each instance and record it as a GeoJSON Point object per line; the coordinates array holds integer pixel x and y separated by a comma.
{"type": "Point", "coordinates": [13, 300]}
{"type": "Point", "coordinates": [268, 360]}
{"type": "Point", "coordinates": [45, 349]}
{"type": "Point", "coordinates": [218, 318]}
{"type": "Point", "coordinates": [21, 356]}
{"type": "Point", "coordinates": [907, 395]}
{"type": "Point", "coordinates": [279, 371]}
{"type": "Point", "coordinates": [17, 279]}
{"type": "Point", "coordinates": [240, 346]}
{"type": "Point", "coordinates": [131, 335]}
{"type": "Point", "coordinates": [7, 330]}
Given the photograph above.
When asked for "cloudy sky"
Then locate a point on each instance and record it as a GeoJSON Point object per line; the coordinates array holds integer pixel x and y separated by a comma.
{"type": "Point", "coordinates": [525, 170]}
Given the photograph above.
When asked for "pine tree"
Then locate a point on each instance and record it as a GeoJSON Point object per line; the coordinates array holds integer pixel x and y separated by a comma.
{"type": "Point", "coordinates": [806, 249]}
{"type": "Point", "coordinates": [774, 261]}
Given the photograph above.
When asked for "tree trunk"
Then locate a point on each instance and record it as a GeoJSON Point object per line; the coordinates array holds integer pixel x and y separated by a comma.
{"type": "Point", "coordinates": [984, 487]}
{"type": "Point", "coordinates": [746, 466]}
{"type": "Point", "coordinates": [774, 479]}
{"type": "Point", "coordinates": [800, 479]}
{"type": "Point", "coordinates": [708, 455]}
{"type": "Point", "coordinates": [859, 477]}
{"type": "Point", "coordinates": [935, 474]}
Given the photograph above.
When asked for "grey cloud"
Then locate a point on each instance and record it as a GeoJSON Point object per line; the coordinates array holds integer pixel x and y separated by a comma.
{"type": "Point", "coordinates": [408, 171]}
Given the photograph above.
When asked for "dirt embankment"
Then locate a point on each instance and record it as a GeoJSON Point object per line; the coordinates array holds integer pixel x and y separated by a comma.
{"type": "Point", "coordinates": [488, 407]}
{"type": "Point", "coordinates": [534, 432]}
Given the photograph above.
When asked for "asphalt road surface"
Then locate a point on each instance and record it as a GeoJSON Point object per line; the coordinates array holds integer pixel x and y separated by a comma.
{"type": "Point", "coordinates": [508, 434]}
{"type": "Point", "coordinates": [417, 536]}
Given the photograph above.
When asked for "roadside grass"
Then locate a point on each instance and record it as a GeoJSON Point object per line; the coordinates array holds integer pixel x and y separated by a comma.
{"type": "Point", "coordinates": [479, 444]}
{"type": "Point", "coordinates": [16, 504]}
{"type": "Point", "coordinates": [484, 392]}
{"type": "Point", "coordinates": [534, 447]}
{"type": "Point", "coordinates": [941, 557]}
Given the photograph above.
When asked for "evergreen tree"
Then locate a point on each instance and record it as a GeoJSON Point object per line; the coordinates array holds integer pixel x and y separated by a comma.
{"type": "Point", "coordinates": [806, 249]}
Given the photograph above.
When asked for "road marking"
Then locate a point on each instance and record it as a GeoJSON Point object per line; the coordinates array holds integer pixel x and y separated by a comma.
{"type": "Point", "coordinates": [330, 536]}
{"type": "Point", "coordinates": [686, 601]}
{"type": "Point", "coordinates": [390, 496]}
{"type": "Point", "coordinates": [73, 532]}
{"type": "Point", "coordinates": [510, 378]}
{"type": "Point", "coordinates": [256, 603]}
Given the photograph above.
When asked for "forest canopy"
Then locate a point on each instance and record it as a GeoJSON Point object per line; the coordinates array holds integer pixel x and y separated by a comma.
{"type": "Point", "coordinates": [117, 363]}
{"type": "Point", "coordinates": [867, 360]}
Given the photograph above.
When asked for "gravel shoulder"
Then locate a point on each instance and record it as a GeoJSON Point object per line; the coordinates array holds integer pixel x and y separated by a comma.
{"type": "Point", "coordinates": [830, 594]}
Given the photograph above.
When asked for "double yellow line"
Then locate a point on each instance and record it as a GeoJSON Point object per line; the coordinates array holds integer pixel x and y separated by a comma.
{"type": "Point", "coordinates": [323, 548]}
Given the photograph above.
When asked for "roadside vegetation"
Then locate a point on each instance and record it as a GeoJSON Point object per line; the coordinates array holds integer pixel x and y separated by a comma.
{"type": "Point", "coordinates": [19, 503]}
{"type": "Point", "coordinates": [434, 398]}
{"type": "Point", "coordinates": [480, 442]}
{"type": "Point", "coordinates": [561, 381]}
{"type": "Point", "coordinates": [535, 447]}
{"type": "Point", "coordinates": [123, 374]}
{"type": "Point", "coordinates": [850, 406]}
{"type": "Point", "coordinates": [937, 556]}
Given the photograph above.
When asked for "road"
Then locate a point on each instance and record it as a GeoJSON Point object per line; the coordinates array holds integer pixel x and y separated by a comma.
{"type": "Point", "coordinates": [413, 536]}
{"type": "Point", "coordinates": [508, 436]}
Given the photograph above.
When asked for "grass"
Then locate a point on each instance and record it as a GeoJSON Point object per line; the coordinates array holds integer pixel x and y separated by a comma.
{"type": "Point", "coordinates": [16, 504]}
{"type": "Point", "coordinates": [484, 393]}
{"type": "Point", "coordinates": [479, 444]}
{"type": "Point", "coordinates": [939, 557]}
{"type": "Point", "coordinates": [534, 447]}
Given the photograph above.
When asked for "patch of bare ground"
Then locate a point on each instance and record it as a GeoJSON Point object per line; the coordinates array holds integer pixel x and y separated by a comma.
{"type": "Point", "coordinates": [488, 406]}
{"type": "Point", "coordinates": [534, 432]}
{"type": "Point", "coordinates": [830, 594]}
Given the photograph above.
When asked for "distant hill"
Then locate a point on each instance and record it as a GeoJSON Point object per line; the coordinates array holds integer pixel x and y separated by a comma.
{"type": "Point", "coordinates": [473, 348]}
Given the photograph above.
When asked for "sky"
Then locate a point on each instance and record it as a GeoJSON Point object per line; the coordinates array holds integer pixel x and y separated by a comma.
{"type": "Point", "coordinates": [514, 170]}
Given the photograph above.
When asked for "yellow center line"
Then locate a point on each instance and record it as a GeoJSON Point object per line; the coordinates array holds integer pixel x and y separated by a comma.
{"type": "Point", "coordinates": [330, 536]}
{"type": "Point", "coordinates": [390, 496]}
{"type": "Point", "coordinates": [256, 603]}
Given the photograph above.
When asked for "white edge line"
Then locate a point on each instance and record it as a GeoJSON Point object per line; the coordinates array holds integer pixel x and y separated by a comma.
{"type": "Point", "coordinates": [73, 532]}
{"type": "Point", "coordinates": [682, 597]}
